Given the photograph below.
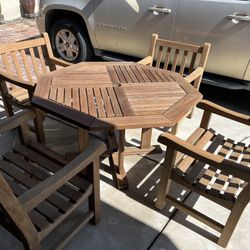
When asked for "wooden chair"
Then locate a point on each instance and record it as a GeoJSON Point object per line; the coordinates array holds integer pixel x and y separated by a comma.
{"type": "Point", "coordinates": [39, 188]}
{"type": "Point", "coordinates": [21, 65]}
{"type": "Point", "coordinates": [187, 59]}
{"type": "Point", "coordinates": [211, 165]}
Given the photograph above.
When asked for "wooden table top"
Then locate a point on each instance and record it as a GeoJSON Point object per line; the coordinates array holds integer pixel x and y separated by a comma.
{"type": "Point", "coordinates": [98, 95]}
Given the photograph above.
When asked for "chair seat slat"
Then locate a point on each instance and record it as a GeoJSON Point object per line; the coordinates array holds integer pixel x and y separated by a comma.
{"type": "Point", "coordinates": [246, 157]}
{"type": "Point", "coordinates": [206, 179]}
{"type": "Point", "coordinates": [40, 174]}
{"type": "Point", "coordinates": [48, 153]}
{"type": "Point", "coordinates": [219, 185]}
{"type": "Point", "coordinates": [184, 165]}
{"type": "Point", "coordinates": [45, 208]}
{"type": "Point", "coordinates": [28, 182]}
{"type": "Point", "coordinates": [48, 164]}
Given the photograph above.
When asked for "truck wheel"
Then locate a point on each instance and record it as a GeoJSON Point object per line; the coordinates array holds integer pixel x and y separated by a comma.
{"type": "Point", "coordinates": [69, 41]}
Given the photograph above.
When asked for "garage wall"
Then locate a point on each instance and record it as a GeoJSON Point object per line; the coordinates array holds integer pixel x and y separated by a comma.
{"type": "Point", "coordinates": [11, 9]}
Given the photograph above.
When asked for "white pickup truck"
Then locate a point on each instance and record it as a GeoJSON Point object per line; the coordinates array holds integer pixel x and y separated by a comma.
{"type": "Point", "coordinates": [81, 28]}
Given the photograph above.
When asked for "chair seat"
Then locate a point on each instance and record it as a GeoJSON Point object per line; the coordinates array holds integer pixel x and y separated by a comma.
{"type": "Point", "coordinates": [25, 167]}
{"type": "Point", "coordinates": [210, 165]}
{"type": "Point", "coordinates": [207, 178]}
{"type": "Point", "coordinates": [20, 95]}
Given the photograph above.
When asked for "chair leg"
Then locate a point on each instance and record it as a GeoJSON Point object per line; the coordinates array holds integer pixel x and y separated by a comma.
{"type": "Point", "coordinates": [8, 107]}
{"type": "Point", "coordinates": [234, 217]}
{"type": "Point", "coordinates": [165, 178]}
{"type": "Point", "coordinates": [4, 92]}
{"type": "Point", "coordinates": [94, 199]}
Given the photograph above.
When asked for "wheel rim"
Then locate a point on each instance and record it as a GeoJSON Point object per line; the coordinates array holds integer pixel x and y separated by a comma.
{"type": "Point", "coordinates": [67, 45]}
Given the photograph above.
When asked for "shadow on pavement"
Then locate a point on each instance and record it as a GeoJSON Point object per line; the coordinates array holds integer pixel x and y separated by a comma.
{"type": "Point", "coordinates": [237, 100]}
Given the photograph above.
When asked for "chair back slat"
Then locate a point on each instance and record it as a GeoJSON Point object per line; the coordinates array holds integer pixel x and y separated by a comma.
{"type": "Point", "coordinates": [34, 62]}
{"type": "Point", "coordinates": [167, 58]}
{"type": "Point", "coordinates": [159, 56]}
{"type": "Point", "coordinates": [6, 64]}
{"type": "Point", "coordinates": [17, 64]}
{"type": "Point", "coordinates": [26, 65]}
{"type": "Point", "coordinates": [175, 60]}
{"type": "Point", "coordinates": [42, 60]}
{"type": "Point", "coordinates": [6, 59]}
{"type": "Point", "coordinates": [183, 62]}
{"type": "Point", "coordinates": [192, 63]}
{"type": "Point", "coordinates": [176, 56]}
{"type": "Point", "coordinates": [27, 59]}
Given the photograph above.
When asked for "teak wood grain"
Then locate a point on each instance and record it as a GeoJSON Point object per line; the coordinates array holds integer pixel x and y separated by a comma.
{"type": "Point", "coordinates": [39, 188]}
{"type": "Point", "coordinates": [121, 95]}
{"type": "Point", "coordinates": [21, 64]}
{"type": "Point", "coordinates": [211, 165]}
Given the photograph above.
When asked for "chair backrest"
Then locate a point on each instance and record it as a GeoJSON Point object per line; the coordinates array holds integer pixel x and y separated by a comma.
{"type": "Point", "coordinates": [177, 56]}
{"type": "Point", "coordinates": [40, 188]}
{"type": "Point", "coordinates": [26, 60]}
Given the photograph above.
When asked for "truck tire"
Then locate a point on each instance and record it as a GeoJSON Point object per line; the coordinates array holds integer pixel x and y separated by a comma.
{"type": "Point", "coordinates": [70, 42]}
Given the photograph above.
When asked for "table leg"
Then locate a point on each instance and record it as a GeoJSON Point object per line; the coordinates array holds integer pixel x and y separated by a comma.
{"type": "Point", "coordinates": [145, 147]}
{"type": "Point", "coordinates": [146, 135]}
{"type": "Point", "coordinates": [175, 128]}
{"type": "Point", "coordinates": [122, 181]}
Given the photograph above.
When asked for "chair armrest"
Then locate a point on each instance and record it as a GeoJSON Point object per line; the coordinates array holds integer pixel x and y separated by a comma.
{"type": "Point", "coordinates": [229, 167]}
{"type": "Point", "coordinates": [194, 75]}
{"type": "Point", "coordinates": [146, 61]}
{"type": "Point", "coordinates": [17, 81]}
{"type": "Point", "coordinates": [16, 120]}
{"type": "Point", "coordinates": [40, 192]}
{"type": "Point", "coordinates": [59, 62]}
{"type": "Point", "coordinates": [219, 110]}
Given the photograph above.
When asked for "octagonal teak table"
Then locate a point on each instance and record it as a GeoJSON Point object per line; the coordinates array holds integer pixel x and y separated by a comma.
{"type": "Point", "coordinates": [101, 95]}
